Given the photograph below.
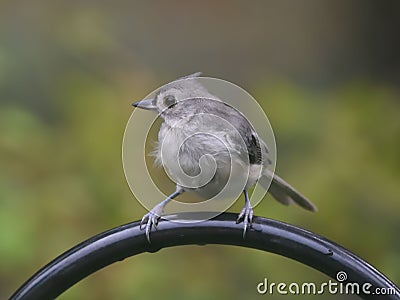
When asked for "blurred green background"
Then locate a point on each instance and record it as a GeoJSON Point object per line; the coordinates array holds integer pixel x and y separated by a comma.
{"type": "Point", "coordinates": [326, 72]}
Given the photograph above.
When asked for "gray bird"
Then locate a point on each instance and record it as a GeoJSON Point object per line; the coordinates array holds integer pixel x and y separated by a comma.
{"type": "Point", "coordinates": [203, 141]}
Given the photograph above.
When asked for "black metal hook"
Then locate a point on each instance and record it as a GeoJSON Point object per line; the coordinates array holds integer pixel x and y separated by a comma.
{"type": "Point", "coordinates": [268, 235]}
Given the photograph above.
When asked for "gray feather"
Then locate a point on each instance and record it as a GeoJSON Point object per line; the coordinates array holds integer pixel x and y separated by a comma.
{"type": "Point", "coordinates": [285, 193]}
{"type": "Point", "coordinates": [194, 75]}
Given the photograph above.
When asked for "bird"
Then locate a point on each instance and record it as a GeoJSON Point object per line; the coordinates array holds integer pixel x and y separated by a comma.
{"type": "Point", "coordinates": [204, 142]}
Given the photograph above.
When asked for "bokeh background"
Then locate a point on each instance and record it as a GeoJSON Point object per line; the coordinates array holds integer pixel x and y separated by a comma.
{"type": "Point", "coordinates": [326, 72]}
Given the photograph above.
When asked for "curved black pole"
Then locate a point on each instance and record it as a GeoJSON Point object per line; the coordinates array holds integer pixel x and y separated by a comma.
{"type": "Point", "coordinates": [268, 235]}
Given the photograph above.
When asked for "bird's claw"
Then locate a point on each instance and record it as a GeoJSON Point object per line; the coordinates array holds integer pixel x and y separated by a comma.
{"type": "Point", "coordinates": [149, 220]}
{"type": "Point", "coordinates": [247, 215]}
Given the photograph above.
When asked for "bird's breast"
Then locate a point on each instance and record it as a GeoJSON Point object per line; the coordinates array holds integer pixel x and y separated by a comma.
{"type": "Point", "coordinates": [203, 162]}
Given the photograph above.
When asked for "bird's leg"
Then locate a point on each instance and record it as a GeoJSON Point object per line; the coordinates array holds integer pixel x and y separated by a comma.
{"type": "Point", "coordinates": [151, 218]}
{"type": "Point", "coordinates": [246, 213]}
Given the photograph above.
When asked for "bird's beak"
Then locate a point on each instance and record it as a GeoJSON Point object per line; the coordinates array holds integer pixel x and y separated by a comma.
{"type": "Point", "coordinates": [145, 104]}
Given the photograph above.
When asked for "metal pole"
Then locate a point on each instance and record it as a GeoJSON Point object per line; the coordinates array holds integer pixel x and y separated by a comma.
{"type": "Point", "coordinates": [268, 235]}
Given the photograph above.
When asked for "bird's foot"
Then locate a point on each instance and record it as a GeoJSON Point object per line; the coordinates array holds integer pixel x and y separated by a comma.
{"type": "Point", "coordinates": [152, 217]}
{"type": "Point", "coordinates": [150, 220]}
{"type": "Point", "coordinates": [247, 215]}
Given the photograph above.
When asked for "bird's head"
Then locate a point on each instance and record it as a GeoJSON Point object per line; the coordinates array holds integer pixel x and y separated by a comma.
{"type": "Point", "coordinates": [167, 97]}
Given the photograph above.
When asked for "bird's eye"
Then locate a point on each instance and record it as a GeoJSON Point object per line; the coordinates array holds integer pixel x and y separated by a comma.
{"type": "Point", "coordinates": [169, 100]}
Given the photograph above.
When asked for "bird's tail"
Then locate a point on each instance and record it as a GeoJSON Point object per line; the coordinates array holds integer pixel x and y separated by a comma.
{"type": "Point", "coordinates": [284, 192]}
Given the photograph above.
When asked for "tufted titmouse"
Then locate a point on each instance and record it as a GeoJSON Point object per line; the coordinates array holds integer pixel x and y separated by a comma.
{"type": "Point", "coordinates": [203, 143]}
